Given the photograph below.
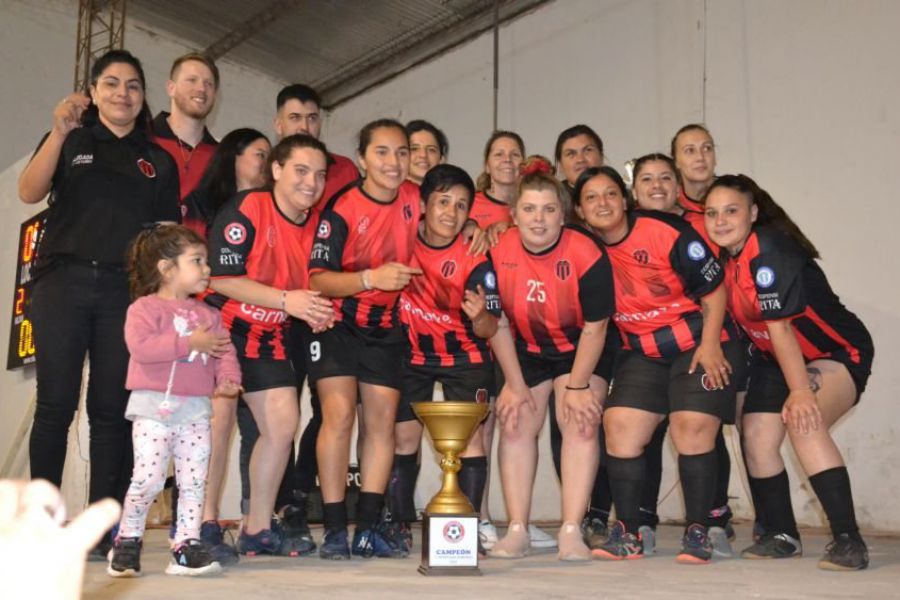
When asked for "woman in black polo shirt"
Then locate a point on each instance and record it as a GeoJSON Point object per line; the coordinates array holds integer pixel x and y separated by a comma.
{"type": "Point", "coordinates": [106, 181]}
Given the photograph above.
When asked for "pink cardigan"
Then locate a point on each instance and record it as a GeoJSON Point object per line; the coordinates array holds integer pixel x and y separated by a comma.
{"type": "Point", "coordinates": [156, 332]}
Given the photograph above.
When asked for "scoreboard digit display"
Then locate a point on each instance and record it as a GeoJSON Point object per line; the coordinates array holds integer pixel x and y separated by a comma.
{"type": "Point", "coordinates": [21, 332]}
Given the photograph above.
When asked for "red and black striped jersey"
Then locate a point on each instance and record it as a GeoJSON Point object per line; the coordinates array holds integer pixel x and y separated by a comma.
{"type": "Point", "coordinates": [440, 333]}
{"type": "Point", "coordinates": [773, 279]}
{"type": "Point", "coordinates": [341, 173]}
{"type": "Point", "coordinates": [487, 210]}
{"type": "Point", "coordinates": [548, 296]}
{"type": "Point", "coordinates": [358, 232]}
{"type": "Point", "coordinates": [250, 237]}
{"type": "Point", "coordinates": [661, 269]}
{"type": "Point", "coordinates": [191, 162]}
{"type": "Point", "coordinates": [688, 203]}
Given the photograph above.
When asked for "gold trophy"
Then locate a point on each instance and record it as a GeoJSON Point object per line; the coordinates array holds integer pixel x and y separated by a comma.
{"type": "Point", "coordinates": [450, 527]}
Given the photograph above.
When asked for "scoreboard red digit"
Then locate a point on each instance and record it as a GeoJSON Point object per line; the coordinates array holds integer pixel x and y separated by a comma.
{"type": "Point", "coordinates": [21, 331]}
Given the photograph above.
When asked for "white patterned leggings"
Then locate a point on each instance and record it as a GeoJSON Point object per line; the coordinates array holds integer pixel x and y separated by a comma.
{"type": "Point", "coordinates": [154, 443]}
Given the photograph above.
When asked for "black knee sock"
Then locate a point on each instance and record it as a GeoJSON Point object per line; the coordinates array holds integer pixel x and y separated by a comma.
{"type": "Point", "coordinates": [626, 478]}
{"type": "Point", "coordinates": [723, 475]}
{"type": "Point", "coordinates": [401, 488]}
{"type": "Point", "coordinates": [698, 485]}
{"type": "Point", "coordinates": [601, 497]}
{"type": "Point", "coordinates": [472, 478]}
{"type": "Point", "coordinates": [334, 515]}
{"type": "Point", "coordinates": [832, 486]}
{"type": "Point", "coordinates": [653, 475]}
{"type": "Point", "coordinates": [368, 510]}
{"type": "Point", "coordinates": [772, 500]}
{"type": "Point", "coordinates": [555, 438]}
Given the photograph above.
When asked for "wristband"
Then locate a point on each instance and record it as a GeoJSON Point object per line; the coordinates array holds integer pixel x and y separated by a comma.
{"type": "Point", "coordinates": [578, 389]}
{"type": "Point", "coordinates": [283, 298]}
{"type": "Point", "coordinates": [364, 276]}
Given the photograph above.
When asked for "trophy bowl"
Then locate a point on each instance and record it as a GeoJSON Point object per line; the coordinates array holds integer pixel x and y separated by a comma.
{"type": "Point", "coordinates": [450, 425]}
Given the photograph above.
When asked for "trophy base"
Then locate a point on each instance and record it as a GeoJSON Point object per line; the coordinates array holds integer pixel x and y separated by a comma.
{"type": "Point", "coordinates": [450, 545]}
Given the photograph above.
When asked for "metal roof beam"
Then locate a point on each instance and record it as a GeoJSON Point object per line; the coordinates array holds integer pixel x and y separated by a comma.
{"type": "Point", "coordinates": [391, 61]}
{"type": "Point", "coordinates": [249, 28]}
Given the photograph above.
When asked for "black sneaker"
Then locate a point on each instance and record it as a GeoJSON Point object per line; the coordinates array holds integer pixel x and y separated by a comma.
{"type": "Point", "coordinates": [845, 553]}
{"type": "Point", "coordinates": [774, 545]}
{"type": "Point", "coordinates": [191, 558]}
{"type": "Point", "coordinates": [297, 539]}
{"type": "Point", "coordinates": [594, 531]}
{"type": "Point", "coordinates": [267, 541]}
{"type": "Point", "coordinates": [696, 549]}
{"type": "Point", "coordinates": [335, 545]}
{"type": "Point", "coordinates": [400, 533]}
{"type": "Point", "coordinates": [621, 545]}
{"type": "Point", "coordinates": [125, 558]}
{"type": "Point", "coordinates": [213, 537]}
{"type": "Point", "coordinates": [372, 542]}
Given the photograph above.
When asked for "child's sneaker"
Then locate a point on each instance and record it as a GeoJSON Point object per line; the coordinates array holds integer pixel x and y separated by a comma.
{"type": "Point", "coordinates": [125, 558]}
{"type": "Point", "coordinates": [620, 545]}
{"type": "Point", "coordinates": [191, 558]}
{"type": "Point", "coordinates": [212, 535]}
{"type": "Point", "coordinates": [296, 537]}
{"type": "Point", "coordinates": [267, 541]}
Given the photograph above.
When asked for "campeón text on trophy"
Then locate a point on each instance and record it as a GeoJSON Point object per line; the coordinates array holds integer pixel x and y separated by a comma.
{"type": "Point", "coordinates": [450, 527]}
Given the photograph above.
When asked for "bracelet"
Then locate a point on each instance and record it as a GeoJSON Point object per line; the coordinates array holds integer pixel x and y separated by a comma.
{"type": "Point", "coordinates": [578, 389]}
{"type": "Point", "coordinates": [283, 298]}
{"type": "Point", "coordinates": [364, 276]}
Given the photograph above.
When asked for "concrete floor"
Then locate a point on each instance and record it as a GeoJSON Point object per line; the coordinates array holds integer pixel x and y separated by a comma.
{"type": "Point", "coordinates": [538, 576]}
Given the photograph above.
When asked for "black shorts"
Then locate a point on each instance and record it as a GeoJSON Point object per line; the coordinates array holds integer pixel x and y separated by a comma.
{"type": "Point", "coordinates": [537, 369]}
{"type": "Point", "coordinates": [258, 374]}
{"type": "Point", "coordinates": [347, 351]}
{"type": "Point", "coordinates": [664, 386]}
{"type": "Point", "coordinates": [768, 389]}
{"type": "Point", "coordinates": [461, 384]}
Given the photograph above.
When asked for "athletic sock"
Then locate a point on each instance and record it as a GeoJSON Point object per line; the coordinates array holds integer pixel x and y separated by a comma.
{"type": "Point", "coordinates": [401, 488]}
{"type": "Point", "coordinates": [601, 496]}
{"type": "Point", "coordinates": [368, 510]}
{"type": "Point", "coordinates": [472, 478]}
{"type": "Point", "coordinates": [720, 514]}
{"type": "Point", "coordinates": [832, 486]}
{"type": "Point", "coordinates": [653, 475]}
{"type": "Point", "coordinates": [626, 479]}
{"type": "Point", "coordinates": [772, 497]}
{"type": "Point", "coordinates": [334, 515]}
{"type": "Point", "coordinates": [698, 485]}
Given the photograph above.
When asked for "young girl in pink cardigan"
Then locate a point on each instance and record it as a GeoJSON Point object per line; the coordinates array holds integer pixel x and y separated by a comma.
{"type": "Point", "coordinates": [180, 356]}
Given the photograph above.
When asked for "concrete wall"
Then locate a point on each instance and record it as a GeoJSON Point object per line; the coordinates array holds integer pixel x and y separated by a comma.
{"type": "Point", "coordinates": [37, 50]}
{"type": "Point", "coordinates": [799, 94]}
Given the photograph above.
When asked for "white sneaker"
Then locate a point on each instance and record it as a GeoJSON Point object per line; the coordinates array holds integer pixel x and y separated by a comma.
{"type": "Point", "coordinates": [540, 538]}
{"type": "Point", "coordinates": [487, 533]}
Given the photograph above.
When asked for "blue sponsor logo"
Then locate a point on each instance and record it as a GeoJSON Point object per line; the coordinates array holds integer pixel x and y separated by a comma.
{"type": "Point", "coordinates": [765, 277]}
{"type": "Point", "coordinates": [696, 251]}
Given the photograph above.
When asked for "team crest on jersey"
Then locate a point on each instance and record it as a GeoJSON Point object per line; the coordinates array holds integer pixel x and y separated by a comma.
{"type": "Point", "coordinates": [271, 236]}
{"type": "Point", "coordinates": [235, 233]}
{"type": "Point", "coordinates": [765, 277]}
{"type": "Point", "coordinates": [324, 231]}
{"type": "Point", "coordinates": [146, 168]}
{"type": "Point", "coordinates": [490, 280]}
{"type": "Point", "coordinates": [563, 269]}
{"type": "Point", "coordinates": [642, 256]}
{"type": "Point", "coordinates": [696, 251]}
{"type": "Point", "coordinates": [363, 225]}
{"type": "Point", "coordinates": [448, 268]}
{"type": "Point", "coordinates": [407, 213]}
